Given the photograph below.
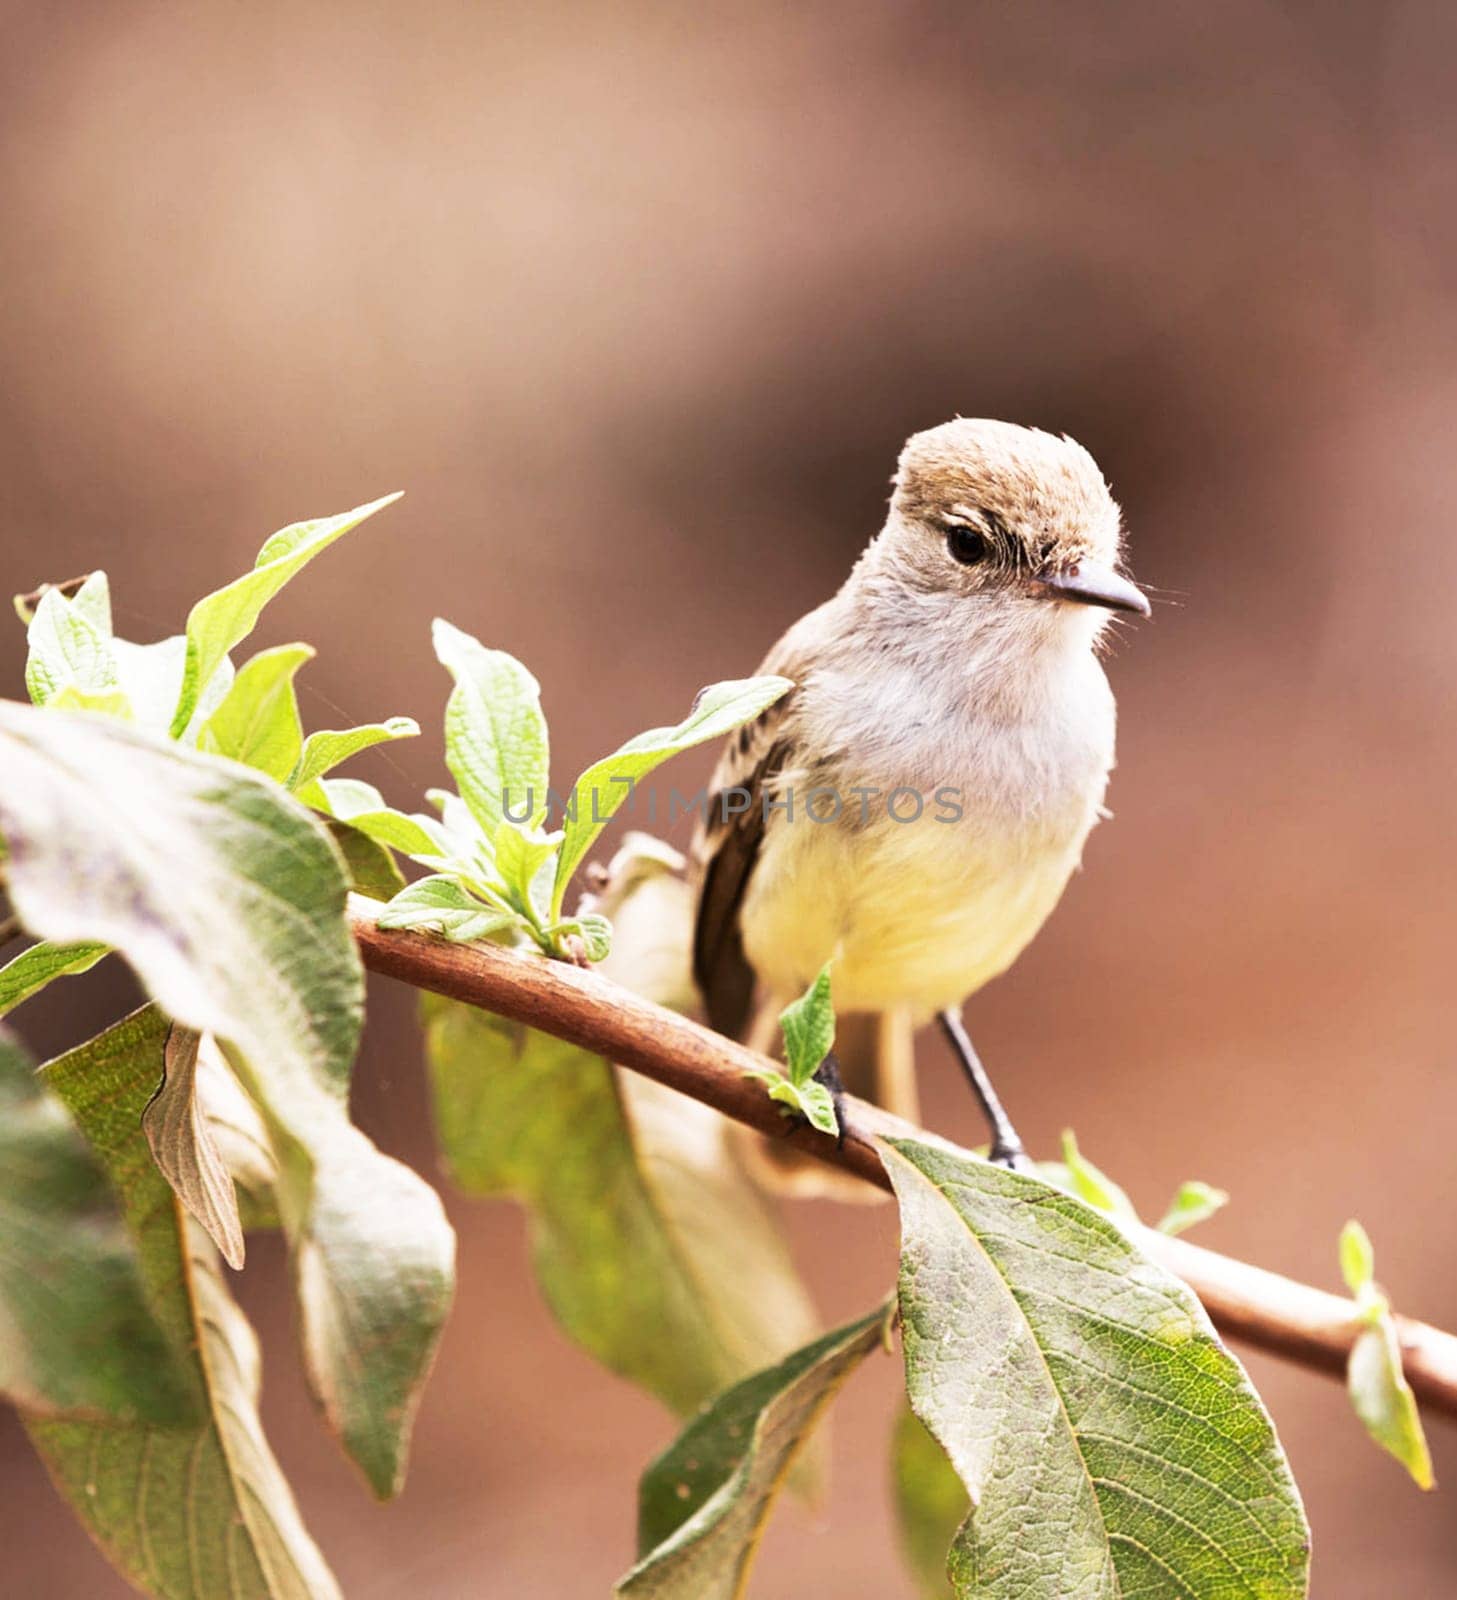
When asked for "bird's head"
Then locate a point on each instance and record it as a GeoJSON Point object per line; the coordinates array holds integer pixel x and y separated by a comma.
{"type": "Point", "coordinates": [1013, 517]}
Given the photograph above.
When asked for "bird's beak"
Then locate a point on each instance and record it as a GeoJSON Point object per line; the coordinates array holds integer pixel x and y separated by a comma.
{"type": "Point", "coordinates": [1090, 583]}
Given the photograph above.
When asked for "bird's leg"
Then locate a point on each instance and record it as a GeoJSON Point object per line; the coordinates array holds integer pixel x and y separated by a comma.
{"type": "Point", "coordinates": [828, 1074]}
{"type": "Point", "coordinates": [1007, 1150]}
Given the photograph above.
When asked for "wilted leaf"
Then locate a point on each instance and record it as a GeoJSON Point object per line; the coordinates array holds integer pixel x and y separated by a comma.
{"type": "Point", "coordinates": [226, 617]}
{"type": "Point", "coordinates": [653, 1250]}
{"type": "Point", "coordinates": [258, 721]}
{"type": "Point", "coordinates": [606, 784]}
{"type": "Point", "coordinates": [1195, 1202]}
{"type": "Point", "coordinates": [30, 971]}
{"type": "Point", "coordinates": [326, 749]}
{"type": "Point", "coordinates": [1061, 1369]}
{"type": "Point", "coordinates": [78, 1338]}
{"type": "Point", "coordinates": [930, 1501]}
{"type": "Point", "coordinates": [702, 1505]}
{"type": "Point", "coordinates": [181, 1142]}
{"type": "Point", "coordinates": [181, 1511]}
{"type": "Point", "coordinates": [218, 889]}
{"type": "Point", "coordinates": [25, 604]}
{"type": "Point", "coordinates": [495, 735]}
{"type": "Point", "coordinates": [240, 1136]}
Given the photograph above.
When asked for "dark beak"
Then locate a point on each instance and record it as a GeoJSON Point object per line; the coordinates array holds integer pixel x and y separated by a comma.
{"type": "Point", "coordinates": [1089, 583]}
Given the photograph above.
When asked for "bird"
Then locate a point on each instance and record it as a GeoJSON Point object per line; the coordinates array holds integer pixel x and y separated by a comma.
{"type": "Point", "coordinates": [912, 809]}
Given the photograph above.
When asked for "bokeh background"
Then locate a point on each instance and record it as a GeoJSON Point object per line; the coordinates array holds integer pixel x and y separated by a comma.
{"type": "Point", "coordinates": [638, 302]}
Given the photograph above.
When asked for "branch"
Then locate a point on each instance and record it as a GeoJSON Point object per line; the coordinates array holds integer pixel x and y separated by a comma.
{"type": "Point", "coordinates": [1303, 1324]}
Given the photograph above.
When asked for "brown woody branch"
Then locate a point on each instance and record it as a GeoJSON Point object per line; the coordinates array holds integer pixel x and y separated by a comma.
{"type": "Point", "coordinates": [1272, 1313]}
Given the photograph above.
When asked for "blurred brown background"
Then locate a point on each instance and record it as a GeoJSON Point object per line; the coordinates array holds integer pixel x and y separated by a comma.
{"type": "Point", "coordinates": [638, 303]}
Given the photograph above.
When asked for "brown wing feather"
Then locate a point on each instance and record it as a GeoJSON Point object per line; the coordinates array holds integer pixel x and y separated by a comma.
{"type": "Point", "coordinates": [726, 849]}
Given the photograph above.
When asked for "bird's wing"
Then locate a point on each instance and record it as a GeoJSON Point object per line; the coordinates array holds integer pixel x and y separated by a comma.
{"type": "Point", "coordinates": [726, 847]}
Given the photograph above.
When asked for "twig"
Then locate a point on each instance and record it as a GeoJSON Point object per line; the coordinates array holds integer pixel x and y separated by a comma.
{"type": "Point", "coordinates": [25, 604]}
{"type": "Point", "coordinates": [1276, 1314]}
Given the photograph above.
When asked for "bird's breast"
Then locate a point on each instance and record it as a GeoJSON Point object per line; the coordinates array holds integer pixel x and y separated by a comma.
{"type": "Point", "coordinates": [936, 886]}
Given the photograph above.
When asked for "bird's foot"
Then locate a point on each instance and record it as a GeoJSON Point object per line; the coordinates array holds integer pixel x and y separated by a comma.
{"type": "Point", "coordinates": [1010, 1155]}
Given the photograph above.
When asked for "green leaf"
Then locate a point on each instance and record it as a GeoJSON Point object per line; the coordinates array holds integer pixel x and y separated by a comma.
{"type": "Point", "coordinates": [105, 702]}
{"type": "Point", "coordinates": [180, 1138]}
{"type": "Point", "coordinates": [258, 723]}
{"type": "Point", "coordinates": [371, 866]}
{"type": "Point", "coordinates": [593, 930]}
{"type": "Point", "coordinates": [71, 648]}
{"type": "Point", "coordinates": [811, 1100]}
{"type": "Point", "coordinates": [329, 747]}
{"type": "Point", "coordinates": [1195, 1202]}
{"type": "Point", "coordinates": [1088, 1183]}
{"type": "Point", "coordinates": [209, 882]}
{"type": "Point", "coordinates": [808, 1025]}
{"type": "Point", "coordinates": [603, 787]}
{"type": "Point", "coordinates": [1358, 1259]}
{"type": "Point", "coordinates": [1061, 1368]}
{"type": "Point", "coordinates": [79, 1338]}
{"type": "Point", "coordinates": [180, 1511]}
{"type": "Point", "coordinates": [521, 853]}
{"type": "Point", "coordinates": [703, 1504]}
{"type": "Point", "coordinates": [931, 1504]}
{"type": "Point", "coordinates": [225, 618]}
{"type": "Point", "coordinates": [809, 1029]}
{"type": "Point", "coordinates": [374, 1262]}
{"type": "Point", "coordinates": [640, 1219]}
{"type": "Point", "coordinates": [30, 971]}
{"type": "Point", "coordinates": [151, 676]}
{"type": "Point", "coordinates": [440, 905]}
{"type": "Point", "coordinates": [1380, 1394]}
{"type": "Point", "coordinates": [495, 734]}
{"type": "Point", "coordinates": [458, 822]}
{"type": "Point", "coordinates": [363, 807]}
{"type": "Point", "coordinates": [216, 888]}
{"type": "Point", "coordinates": [1384, 1401]}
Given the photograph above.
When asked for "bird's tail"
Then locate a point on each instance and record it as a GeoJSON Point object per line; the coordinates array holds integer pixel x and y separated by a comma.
{"type": "Point", "coordinates": [877, 1063]}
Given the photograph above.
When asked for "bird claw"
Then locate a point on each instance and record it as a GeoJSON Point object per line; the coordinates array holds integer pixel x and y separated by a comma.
{"type": "Point", "coordinates": [1013, 1158]}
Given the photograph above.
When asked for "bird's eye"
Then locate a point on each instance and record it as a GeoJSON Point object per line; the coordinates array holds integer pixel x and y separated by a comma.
{"type": "Point", "coordinates": [967, 545]}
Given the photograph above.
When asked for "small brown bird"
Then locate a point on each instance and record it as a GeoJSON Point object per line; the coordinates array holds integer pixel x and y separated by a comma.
{"type": "Point", "coordinates": [914, 806]}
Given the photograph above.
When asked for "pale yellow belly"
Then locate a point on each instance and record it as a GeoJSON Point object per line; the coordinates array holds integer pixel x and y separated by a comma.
{"type": "Point", "coordinates": [917, 916]}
